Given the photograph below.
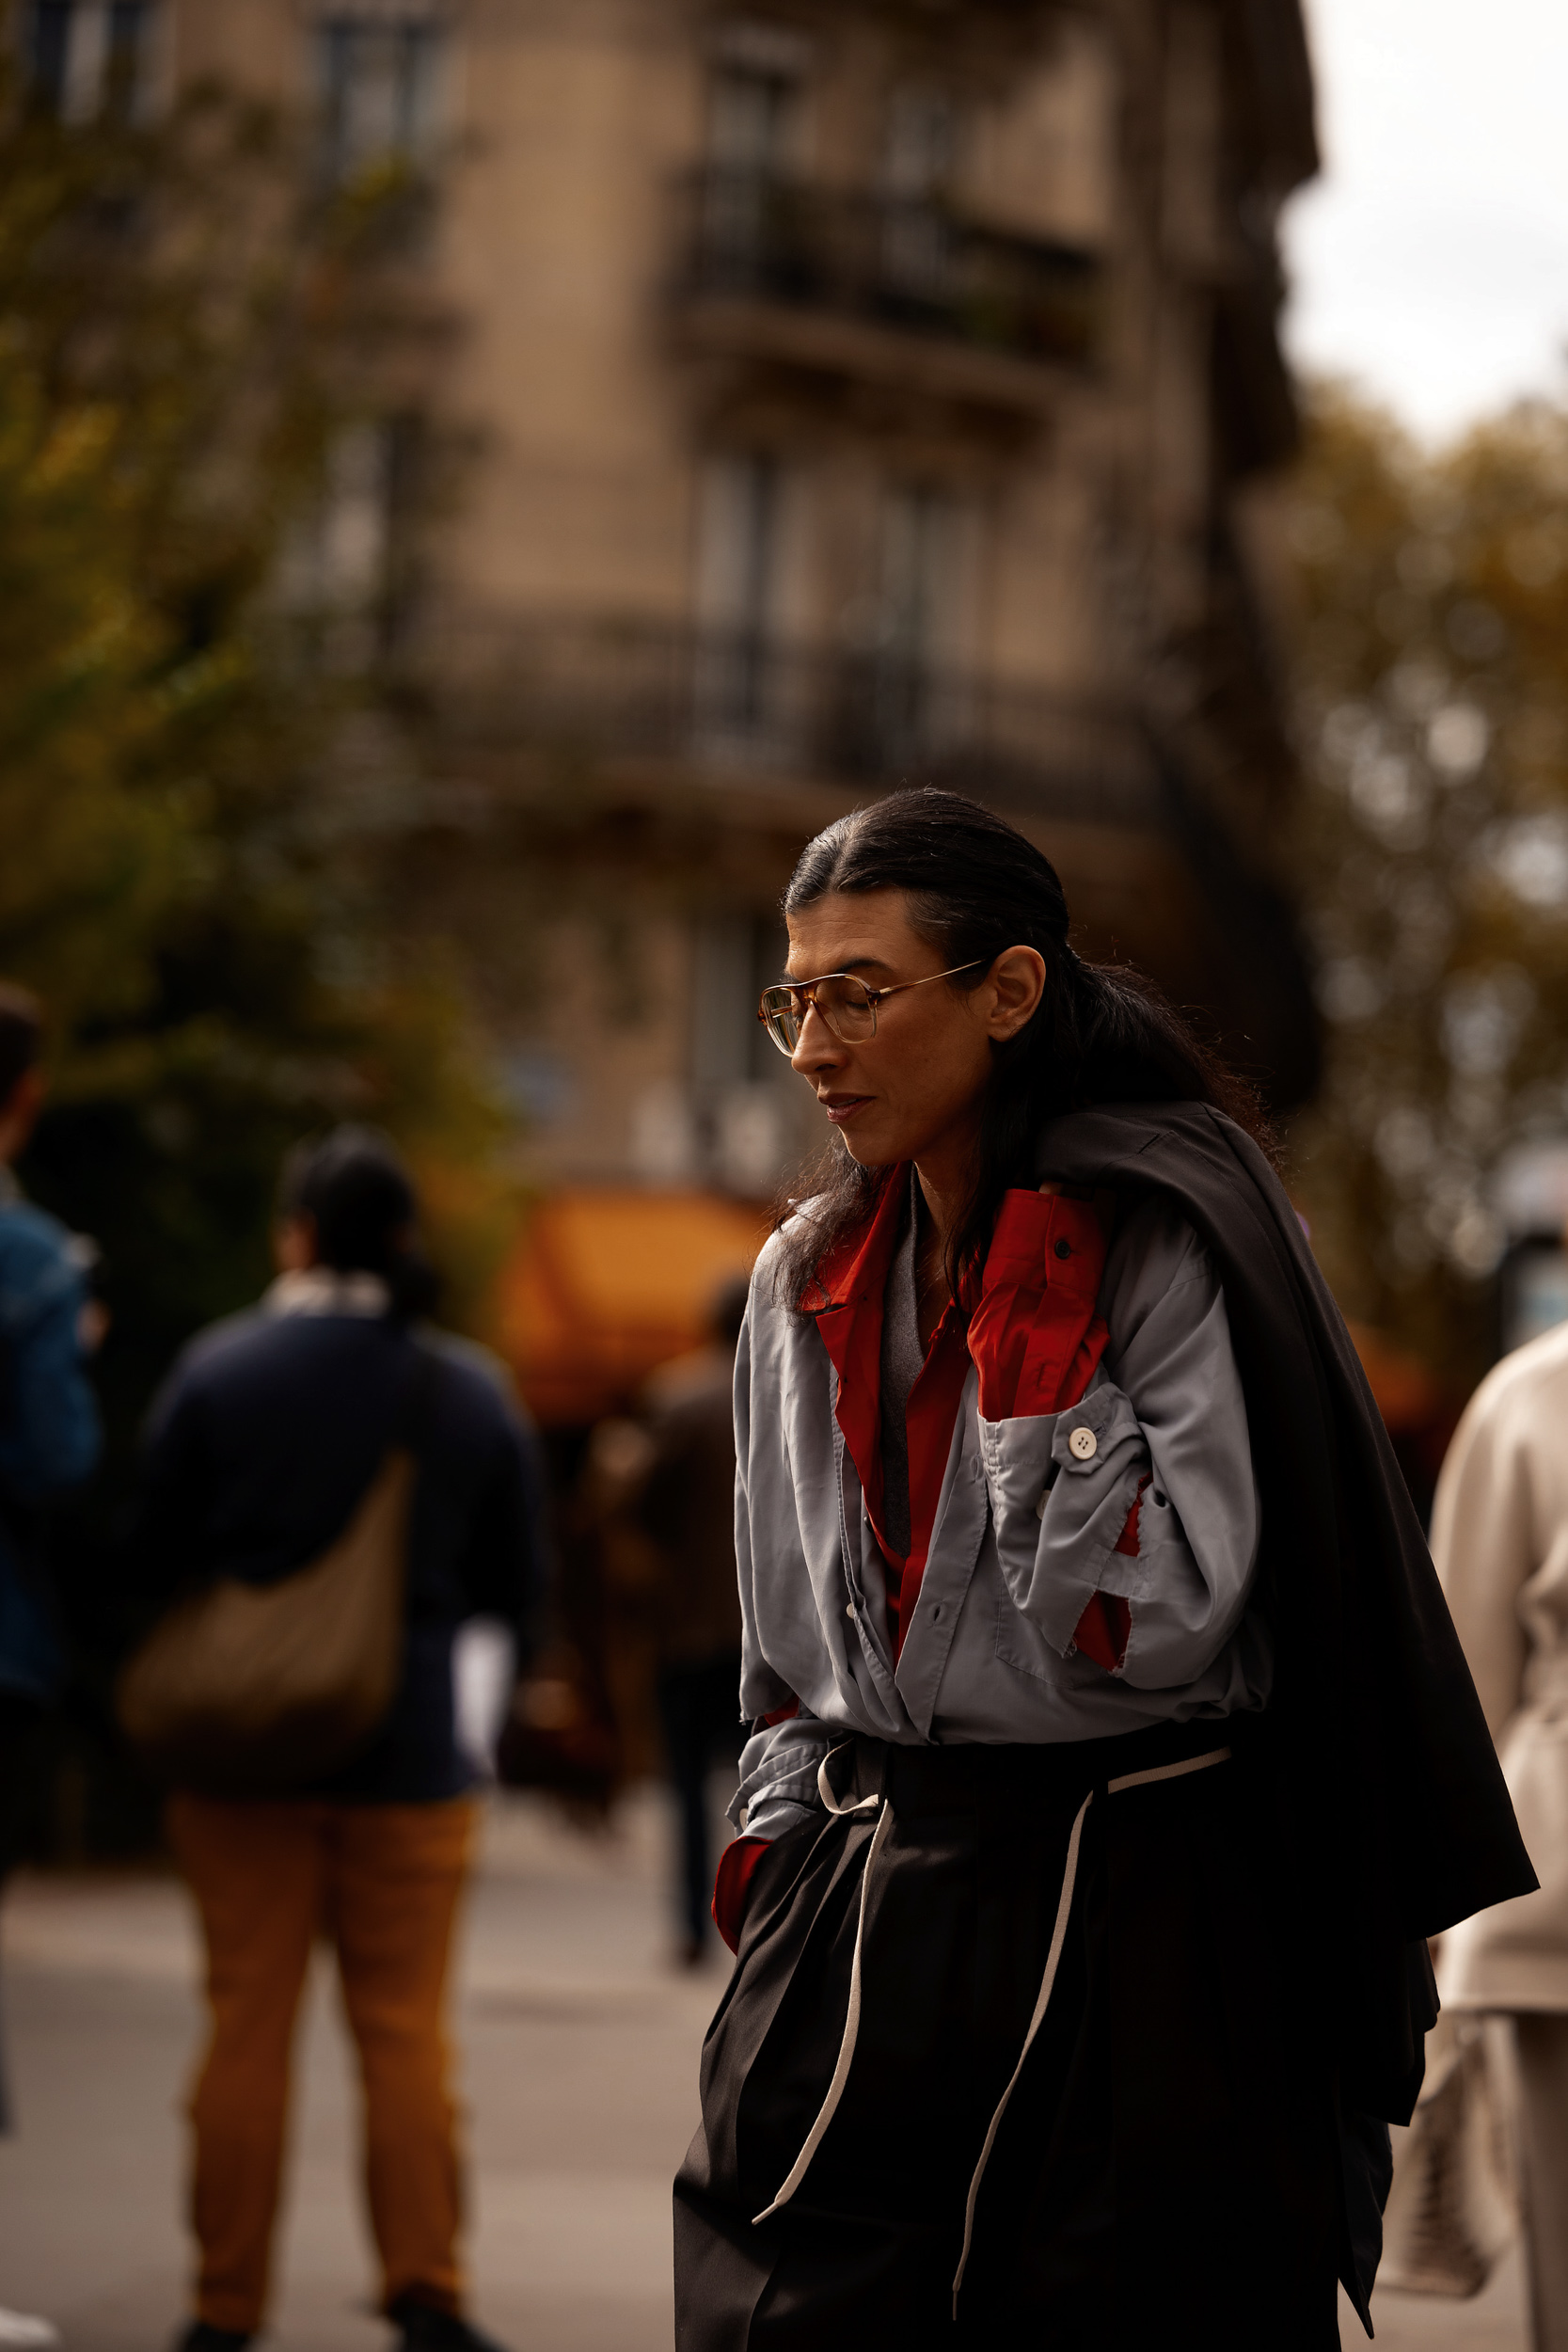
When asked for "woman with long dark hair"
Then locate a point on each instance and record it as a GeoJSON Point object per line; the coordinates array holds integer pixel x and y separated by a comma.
{"type": "Point", "coordinates": [1111, 1753]}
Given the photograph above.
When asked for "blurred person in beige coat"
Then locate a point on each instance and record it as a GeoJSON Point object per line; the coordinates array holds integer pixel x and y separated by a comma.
{"type": "Point", "coordinates": [1499, 1534]}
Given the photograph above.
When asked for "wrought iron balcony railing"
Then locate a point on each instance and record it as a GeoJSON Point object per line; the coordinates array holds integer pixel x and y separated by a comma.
{"type": "Point", "coordinates": [921, 267]}
{"type": "Point", "coordinates": [576, 717]}
{"type": "Point", "coordinates": [745, 707]}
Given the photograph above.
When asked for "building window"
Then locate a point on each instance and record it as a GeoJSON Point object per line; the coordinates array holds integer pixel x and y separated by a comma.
{"type": "Point", "coordinates": [349, 567]}
{"type": "Point", "coordinates": [738, 595]}
{"type": "Point", "coordinates": [914, 690]}
{"type": "Point", "coordinates": [736, 956]}
{"type": "Point", "coordinates": [758, 77]}
{"type": "Point", "coordinates": [378, 86]}
{"type": "Point", "coordinates": [918, 533]}
{"type": "Point", "coordinates": [86, 58]}
{"type": "Point", "coordinates": [754, 133]}
{"type": "Point", "coordinates": [752, 116]}
{"type": "Point", "coordinates": [743, 1124]}
{"type": "Point", "coordinates": [919, 143]}
{"type": "Point", "coordinates": [919, 149]}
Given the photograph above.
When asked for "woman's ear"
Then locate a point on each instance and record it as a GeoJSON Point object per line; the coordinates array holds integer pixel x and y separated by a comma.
{"type": "Point", "coordinates": [1016, 980]}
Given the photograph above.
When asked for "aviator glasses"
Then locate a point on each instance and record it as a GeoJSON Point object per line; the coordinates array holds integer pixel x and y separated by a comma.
{"type": "Point", "coordinates": [845, 1003]}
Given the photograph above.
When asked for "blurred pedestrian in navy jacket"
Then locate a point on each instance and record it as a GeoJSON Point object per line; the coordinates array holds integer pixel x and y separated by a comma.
{"type": "Point", "coordinates": [260, 1448]}
{"type": "Point", "coordinates": [49, 1432]}
{"type": "Point", "coordinates": [49, 1442]}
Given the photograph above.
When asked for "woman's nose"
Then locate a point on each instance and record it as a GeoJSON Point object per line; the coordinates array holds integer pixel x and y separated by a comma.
{"type": "Point", "coordinates": [815, 1048]}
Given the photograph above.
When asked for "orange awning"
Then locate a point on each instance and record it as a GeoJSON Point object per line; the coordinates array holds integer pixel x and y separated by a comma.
{"type": "Point", "coordinates": [603, 1286]}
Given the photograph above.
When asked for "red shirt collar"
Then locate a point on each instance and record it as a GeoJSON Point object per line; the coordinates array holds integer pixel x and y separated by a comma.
{"type": "Point", "coordinates": [854, 1278]}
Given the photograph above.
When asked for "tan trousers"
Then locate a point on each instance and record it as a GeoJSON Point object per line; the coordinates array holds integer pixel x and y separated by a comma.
{"type": "Point", "coordinates": [382, 1883]}
{"type": "Point", "coordinates": [1540, 2048]}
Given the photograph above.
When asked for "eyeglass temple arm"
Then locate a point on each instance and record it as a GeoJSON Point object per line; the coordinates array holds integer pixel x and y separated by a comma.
{"type": "Point", "coordinates": [876, 995]}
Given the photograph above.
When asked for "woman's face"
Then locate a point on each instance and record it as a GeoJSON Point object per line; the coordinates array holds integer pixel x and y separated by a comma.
{"type": "Point", "coordinates": [914, 1090]}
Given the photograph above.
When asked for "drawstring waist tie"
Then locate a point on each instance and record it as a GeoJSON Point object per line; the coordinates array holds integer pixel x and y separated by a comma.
{"type": "Point", "coordinates": [883, 1810]}
{"type": "Point", "coordinates": [932, 1779]}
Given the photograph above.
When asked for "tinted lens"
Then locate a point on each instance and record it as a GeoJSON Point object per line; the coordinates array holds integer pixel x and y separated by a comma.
{"type": "Point", "coordinates": [782, 1013]}
{"type": "Point", "coordinates": [843, 1004]}
{"type": "Point", "coordinates": [846, 1007]}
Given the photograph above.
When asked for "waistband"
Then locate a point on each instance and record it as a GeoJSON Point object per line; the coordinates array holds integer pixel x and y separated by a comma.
{"type": "Point", "coordinates": [946, 1780]}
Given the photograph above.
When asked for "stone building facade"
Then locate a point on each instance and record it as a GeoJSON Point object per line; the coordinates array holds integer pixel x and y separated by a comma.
{"type": "Point", "coordinates": [831, 396]}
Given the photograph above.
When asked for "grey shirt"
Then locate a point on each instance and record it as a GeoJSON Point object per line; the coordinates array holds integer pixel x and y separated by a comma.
{"type": "Point", "coordinates": [1026, 1532]}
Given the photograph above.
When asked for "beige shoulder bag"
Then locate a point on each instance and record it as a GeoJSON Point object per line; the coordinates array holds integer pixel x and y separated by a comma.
{"type": "Point", "coordinates": [251, 1689]}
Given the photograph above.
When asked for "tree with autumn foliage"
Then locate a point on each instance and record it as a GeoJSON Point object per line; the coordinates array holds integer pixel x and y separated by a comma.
{"type": "Point", "coordinates": [200, 799]}
{"type": "Point", "coordinates": [1432, 702]}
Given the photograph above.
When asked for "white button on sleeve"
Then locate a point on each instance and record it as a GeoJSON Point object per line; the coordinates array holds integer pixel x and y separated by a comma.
{"type": "Point", "coordinates": [1083, 1445]}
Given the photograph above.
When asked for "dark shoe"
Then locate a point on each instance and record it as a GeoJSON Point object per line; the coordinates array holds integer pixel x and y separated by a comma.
{"type": "Point", "coordinates": [426, 2330]}
{"type": "Point", "coordinates": [201, 2336]}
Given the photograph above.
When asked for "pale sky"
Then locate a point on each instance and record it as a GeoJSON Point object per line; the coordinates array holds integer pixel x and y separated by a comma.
{"type": "Point", "coordinates": [1430, 261]}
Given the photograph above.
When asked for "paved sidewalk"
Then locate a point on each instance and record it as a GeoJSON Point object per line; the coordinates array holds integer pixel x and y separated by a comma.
{"type": "Point", "coordinates": [580, 2044]}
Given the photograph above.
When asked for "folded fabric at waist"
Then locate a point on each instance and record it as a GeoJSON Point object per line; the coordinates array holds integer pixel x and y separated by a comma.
{"type": "Point", "coordinates": [940, 1780]}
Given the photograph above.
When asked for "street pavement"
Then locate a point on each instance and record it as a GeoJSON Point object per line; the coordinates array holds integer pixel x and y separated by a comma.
{"type": "Point", "coordinates": [580, 2041]}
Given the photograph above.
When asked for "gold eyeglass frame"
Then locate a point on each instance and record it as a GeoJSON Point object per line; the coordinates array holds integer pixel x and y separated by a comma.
{"type": "Point", "coordinates": [793, 988]}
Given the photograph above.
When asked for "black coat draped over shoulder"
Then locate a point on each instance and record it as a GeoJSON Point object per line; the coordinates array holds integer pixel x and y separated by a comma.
{"type": "Point", "coordinates": [1389, 1802]}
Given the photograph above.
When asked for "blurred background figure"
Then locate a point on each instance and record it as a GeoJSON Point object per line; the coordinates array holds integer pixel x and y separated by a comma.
{"type": "Point", "coordinates": [687, 1505]}
{"type": "Point", "coordinates": [605, 1310]}
{"type": "Point", "coordinates": [261, 1446]}
{"type": "Point", "coordinates": [1500, 1538]}
{"type": "Point", "coordinates": [49, 1442]}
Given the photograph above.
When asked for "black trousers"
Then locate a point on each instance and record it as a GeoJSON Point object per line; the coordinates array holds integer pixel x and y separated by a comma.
{"type": "Point", "coordinates": [699, 1707]}
{"type": "Point", "coordinates": [1167, 2173]}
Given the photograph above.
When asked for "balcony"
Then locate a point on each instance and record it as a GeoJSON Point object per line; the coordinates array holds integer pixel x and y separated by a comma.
{"type": "Point", "coordinates": [864, 286]}
{"type": "Point", "coordinates": [744, 711]}
{"type": "Point", "coordinates": [621, 723]}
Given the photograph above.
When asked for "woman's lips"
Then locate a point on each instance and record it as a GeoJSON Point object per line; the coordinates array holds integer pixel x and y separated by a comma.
{"type": "Point", "coordinates": [841, 1108]}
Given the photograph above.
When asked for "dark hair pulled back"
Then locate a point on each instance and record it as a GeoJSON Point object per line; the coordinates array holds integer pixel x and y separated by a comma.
{"type": "Point", "coordinates": [1102, 1033]}
{"type": "Point", "coordinates": [353, 1187]}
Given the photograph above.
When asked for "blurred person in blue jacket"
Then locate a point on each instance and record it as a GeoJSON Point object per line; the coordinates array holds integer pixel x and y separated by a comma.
{"type": "Point", "coordinates": [49, 1426]}
{"type": "Point", "coordinates": [49, 1443]}
{"type": "Point", "coordinates": [270, 1429]}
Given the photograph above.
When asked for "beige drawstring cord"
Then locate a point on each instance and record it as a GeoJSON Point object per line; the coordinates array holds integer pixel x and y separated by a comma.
{"type": "Point", "coordinates": [1168, 1771]}
{"type": "Point", "coordinates": [1052, 1962]}
{"type": "Point", "coordinates": [853, 2020]}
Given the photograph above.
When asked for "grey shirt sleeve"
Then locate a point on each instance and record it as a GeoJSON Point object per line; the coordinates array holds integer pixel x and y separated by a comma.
{"type": "Point", "coordinates": [778, 1776]}
{"type": "Point", "coordinates": [1166, 1409]}
{"type": "Point", "coordinates": [761, 1689]}
{"type": "Point", "coordinates": [777, 1764]}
